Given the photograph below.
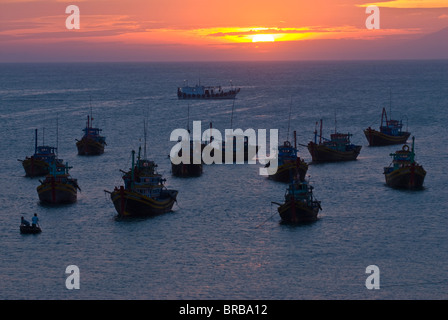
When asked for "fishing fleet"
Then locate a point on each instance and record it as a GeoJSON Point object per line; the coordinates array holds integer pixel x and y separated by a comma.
{"type": "Point", "coordinates": [143, 192]}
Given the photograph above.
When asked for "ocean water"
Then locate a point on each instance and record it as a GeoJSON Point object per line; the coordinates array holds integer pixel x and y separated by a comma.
{"type": "Point", "coordinates": [224, 239]}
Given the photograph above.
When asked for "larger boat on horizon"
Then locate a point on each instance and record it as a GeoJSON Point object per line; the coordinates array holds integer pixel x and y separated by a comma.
{"type": "Point", "coordinates": [143, 193]}
{"type": "Point", "coordinates": [207, 92]}
{"type": "Point", "coordinates": [38, 164]}
{"type": "Point", "coordinates": [390, 133]}
{"type": "Point", "coordinates": [337, 148]}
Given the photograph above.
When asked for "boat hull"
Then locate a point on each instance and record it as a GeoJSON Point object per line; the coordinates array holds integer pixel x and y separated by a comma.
{"type": "Point", "coordinates": [321, 153]}
{"type": "Point", "coordinates": [408, 177]}
{"type": "Point", "coordinates": [133, 204]}
{"type": "Point", "coordinates": [218, 96]}
{"type": "Point", "coordinates": [186, 170]}
{"type": "Point", "coordinates": [376, 138]}
{"type": "Point", "coordinates": [201, 97]}
{"type": "Point", "coordinates": [89, 147]}
{"type": "Point", "coordinates": [290, 169]}
{"type": "Point", "coordinates": [30, 229]}
{"type": "Point", "coordinates": [297, 212]}
{"type": "Point", "coordinates": [35, 167]}
{"type": "Point", "coordinates": [57, 193]}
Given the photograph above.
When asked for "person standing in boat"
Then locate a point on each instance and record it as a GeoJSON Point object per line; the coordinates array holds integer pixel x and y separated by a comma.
{"type": "Point", "coordinates": [24, 222]}
{"type": "Point", "coordinates": [34, 220]}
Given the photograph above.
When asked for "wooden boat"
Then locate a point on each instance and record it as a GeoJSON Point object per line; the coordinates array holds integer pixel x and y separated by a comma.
{"type": "Point", "coordinates": [241, 149]}
{"type": "Point", "coordinates": [39, 163]}
{"type": "Point", "coordinates": [58, 187]}
{"type": "Point", "coordinates": [289, 163]}
{"type": "Point", "coordinates": [24, 229]}
{"type": "Point", "coordinates": [92, 143]}
{"type": "Point", "coordinates": [337, 148]}
{"type": "Point", "coordinates": [206, 92]}
{"type": "Point", "coordinates": [189, 169]}
{"type": "Point", "coordinates": [404, 171]}
{"type": "Point", "coordinates": [143, 193]}
{"type": "Point", "coordinates": [300, 205]}
{"type": "Point", "coordinates": [389, 134]}
{"type": "Point", "coordinates": [238, 152]}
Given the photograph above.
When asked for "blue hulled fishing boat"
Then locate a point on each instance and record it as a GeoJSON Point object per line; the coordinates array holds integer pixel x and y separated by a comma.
{"type": "Point", "coordinates": [206, 92]}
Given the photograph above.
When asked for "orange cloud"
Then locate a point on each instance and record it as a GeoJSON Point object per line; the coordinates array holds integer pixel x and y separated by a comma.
{"type": "Point", "coordinates": [410, 4]}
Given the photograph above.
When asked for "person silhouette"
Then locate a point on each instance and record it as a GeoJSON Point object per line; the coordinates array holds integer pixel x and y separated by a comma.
{"type": "Point", "coordinates": [24, 222]}
{"type": "Point", "coordinates": [34, 220]}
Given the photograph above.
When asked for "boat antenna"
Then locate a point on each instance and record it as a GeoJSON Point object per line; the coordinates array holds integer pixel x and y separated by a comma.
{"type": "Point", "coordinates": [35, 140]}
{"type": "Point", "coordinates": [390, 103]}
{"type": "Point", "coordinates": [144, 130]}
{"type": "Point", "coordinates": [289, 120]}
{"type": "Point", "coordinates": [320, 137]}
{"type": "Point", "coordinates": [231, 117]}
{"type": "Point", "coordinates": [335, 122]}
{"type": "Point", "coordinates": [188, 118]}
{"type": "Point", "coordinates": [91, 115]}
{"type": "Point", "coordinates": [57, 134]}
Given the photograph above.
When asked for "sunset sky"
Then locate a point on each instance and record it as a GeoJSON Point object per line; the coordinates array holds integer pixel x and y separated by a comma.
{"type": "Point", "coordinates": [195, 30]}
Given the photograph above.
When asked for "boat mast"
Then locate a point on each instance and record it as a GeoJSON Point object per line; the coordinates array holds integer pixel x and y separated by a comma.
{"type": "Point", "coordinates": [188, 119]}
{"type": "Point", "coordinates": [231, 117]}
{"type": "Point", "coordinates": [211, 132]}
{"type": "Point", "coordinates": [35, 141]}
{"type": "Point", "coordinates": [390, 103]}
{"type": "Point", "coordinates": [295, 140]}
{"type": "Point", "coordinates": [57, 134]}
{"type": "Point", "coordinates": [335, 123]}
{"type": "Point", "coordinates": [383, 115]}
{"type": "Point", "coordinates": [289, 121]}
{"type": "Point", "coordinates": [144, 129]}
{"type": "Point", "coordinates": [132, 170]}
{"type": "Point", "coordinates": [320, 137]}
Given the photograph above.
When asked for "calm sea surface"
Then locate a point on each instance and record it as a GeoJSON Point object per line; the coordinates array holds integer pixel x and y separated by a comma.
{"type": "Point", "coordinates": [224, 239]}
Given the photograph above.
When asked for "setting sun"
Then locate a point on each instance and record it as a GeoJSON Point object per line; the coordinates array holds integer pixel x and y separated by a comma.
{"type": "Point", "coordinates": [263, 38]}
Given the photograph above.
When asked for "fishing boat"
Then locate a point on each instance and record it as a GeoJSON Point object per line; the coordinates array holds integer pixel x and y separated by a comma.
{"type": "Point", "coordinates": [24, 229]}
{"type": "Point", "coordinates": [58, 187]}
{"type": "Point", "coordinates": [188, 169]}
{"type": "Point", "coordinates": [289, 163]}
{"type": "Point", "coordinates": [300, 205]}
{"type": "Point", "coordinates": [390, 133]}
{"type": "Point", "coordinates": [143, 193]}
{"type": "Point", "coordinates": [235, 148]}
{"type": "Point", "coordinates": [92, 143]}
{"type": "Point", "coordinates": [337, 148]}
{"type": "Point", "coordinates": [39, 163]}
{"type": "Point", "coordinates": [206, 92]}
{"type": "Point", "coordinates": [404, 171]}
{"type": "Point", "coordinates": [238, 150]}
